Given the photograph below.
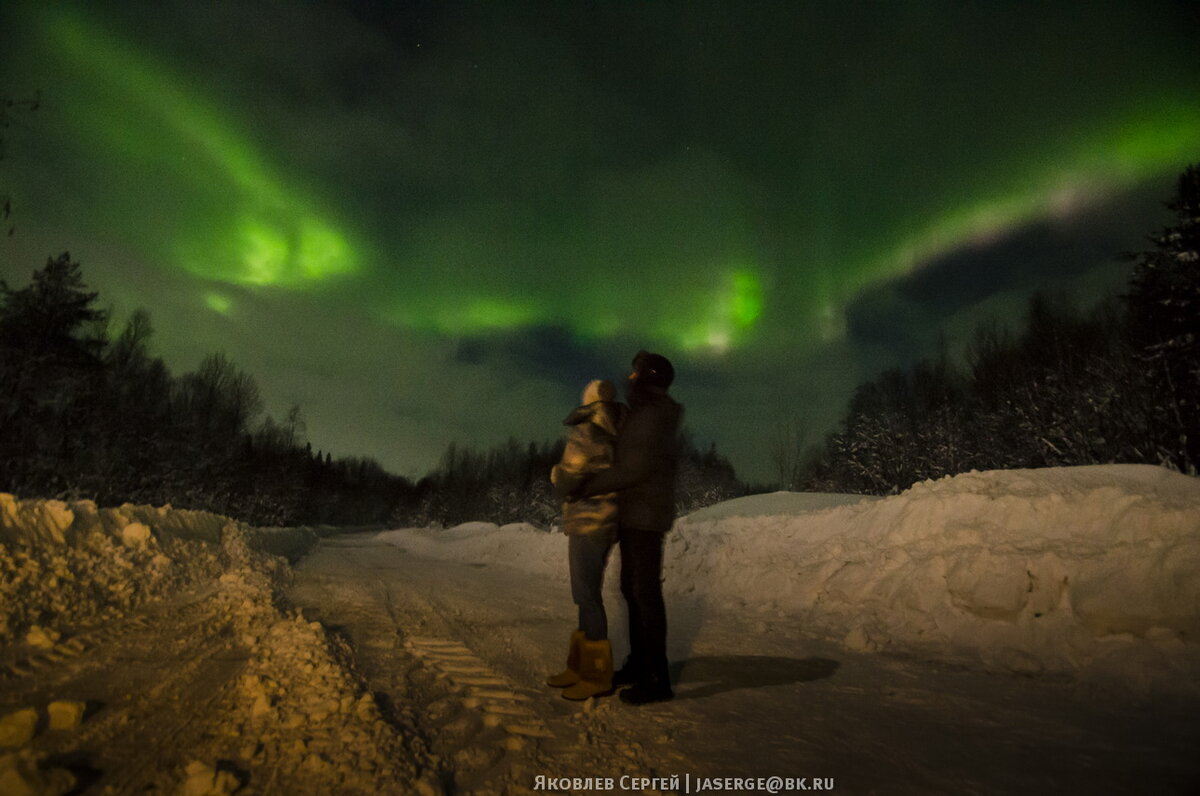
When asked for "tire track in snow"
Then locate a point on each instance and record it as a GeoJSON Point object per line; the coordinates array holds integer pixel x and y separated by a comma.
{"type": "Point", "coordinates": [493, 694]}
{"type": "Point", "coordinates": [468, 747]}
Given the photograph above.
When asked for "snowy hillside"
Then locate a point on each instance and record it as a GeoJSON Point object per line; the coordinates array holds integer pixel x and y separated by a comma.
{"type": "Point", "coordinates": [1089, 570]}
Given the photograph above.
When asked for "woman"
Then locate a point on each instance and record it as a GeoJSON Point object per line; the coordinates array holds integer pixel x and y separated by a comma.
{"type": "Point", "coordinates": [591, 528]}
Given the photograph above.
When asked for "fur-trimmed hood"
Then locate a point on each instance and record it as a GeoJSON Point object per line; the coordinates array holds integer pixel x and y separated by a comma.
{"type": "Point", "coordinates": [599, 408]}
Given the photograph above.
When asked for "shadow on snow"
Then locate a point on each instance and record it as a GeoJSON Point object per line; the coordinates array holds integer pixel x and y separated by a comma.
{"type": "Point", "coordinates": [705, 676]}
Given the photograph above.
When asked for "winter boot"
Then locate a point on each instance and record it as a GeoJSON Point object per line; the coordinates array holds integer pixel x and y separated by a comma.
{"type": "Point", "coordinates": [629, 673]}
{"type": "Point", "coordinates": [570, 675]}
{"type": "Point", "coordinates": [653, 688]}
{"type": "Point", "coordinates": [595, 671]}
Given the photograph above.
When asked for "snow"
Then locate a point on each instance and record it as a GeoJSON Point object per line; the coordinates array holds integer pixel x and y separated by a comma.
{"type": "Point", "coordinates": [94, 600]}
{"type": "Point", "coordinates": [64, 564]}
{"type": "Point", "coordinates": [785, 503]}
{"type": "Point", "coordinates": [1091, 571]}
{"type": "Point", "coordinates": [175, 625]}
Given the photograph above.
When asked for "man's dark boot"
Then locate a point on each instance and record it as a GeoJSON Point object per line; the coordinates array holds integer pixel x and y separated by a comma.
{"type": "Point", "coordinates": [647, 691]}
{"type": "Point", "coordinates": [628, 674]}
{"type": "Point", "coordinates": [654, 688]}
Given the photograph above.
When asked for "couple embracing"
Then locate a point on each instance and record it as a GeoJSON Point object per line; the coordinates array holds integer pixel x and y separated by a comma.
{"type": "Point", "coordinates": [617, 480]}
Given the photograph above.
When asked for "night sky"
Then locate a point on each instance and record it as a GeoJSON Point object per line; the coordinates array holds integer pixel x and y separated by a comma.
{"type": "Point", "coordinates": [435, 221]}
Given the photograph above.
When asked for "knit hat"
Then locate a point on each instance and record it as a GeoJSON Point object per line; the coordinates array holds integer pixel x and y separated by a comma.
{"type": "Point", "coordinates": [653, 370]}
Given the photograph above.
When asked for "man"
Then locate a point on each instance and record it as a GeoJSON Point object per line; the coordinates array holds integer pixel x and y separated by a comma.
{"type": "Point", "coordinates": [643, 475]}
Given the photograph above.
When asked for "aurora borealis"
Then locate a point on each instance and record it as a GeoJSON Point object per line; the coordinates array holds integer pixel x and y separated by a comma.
{"type": "Point", "coordinates": [431, 221]}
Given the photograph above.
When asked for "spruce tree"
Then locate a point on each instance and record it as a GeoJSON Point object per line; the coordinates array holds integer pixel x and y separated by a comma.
{"type": "Point", "coordinates": [1164, 321]}
{"type": "Point", "coordinates": [52, 339]}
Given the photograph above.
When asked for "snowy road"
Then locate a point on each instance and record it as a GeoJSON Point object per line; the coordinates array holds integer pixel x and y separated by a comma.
{"type": "Point", "coordinates": [458, 650]}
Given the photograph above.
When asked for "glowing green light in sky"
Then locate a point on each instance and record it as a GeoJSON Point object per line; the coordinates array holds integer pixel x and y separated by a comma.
{"type": "Point", "coordinates": [274, 233]}
{"type": "Point", "coordinates": [264, 254]}
{"type": "Point", "coordinates": [1167, 137]}
{"type": "Point", "coordinates": [218, 303]}
{"type": "Point", "coordinates": [322, 250]}
{"type": "Point", "coordinates": [1122, 155]}
{"type": "Point", "coordinates": [466, 315]}
{"type": "Point", "coordinates": [732, 311]}
{"type": "Point", "coordinates": [496, 314]}
{"type": "Point", "coordinates": [746, 300]}
{"type": "Point", "coordinates": [267, 256]}
{"type": "Point", "coordinates": [655, 249]}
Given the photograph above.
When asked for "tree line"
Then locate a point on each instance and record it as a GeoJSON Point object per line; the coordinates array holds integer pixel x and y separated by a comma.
{"type": "Point", "coordinates": [510, 482]}
{"type": "Point", "coordinates": [1117, 383]}
{"type": "Point", "coordinates": [85, 414]}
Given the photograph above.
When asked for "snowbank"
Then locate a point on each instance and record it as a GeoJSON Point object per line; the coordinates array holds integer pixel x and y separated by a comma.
{"type": "Point", "coordinates": [1092, 570]}
{"type": "Point", "coordinates": [67, 563]}
{"type": "Point", "coordinates": [297, 718]}
{"type": "Point", "coordinates": [776, 503]}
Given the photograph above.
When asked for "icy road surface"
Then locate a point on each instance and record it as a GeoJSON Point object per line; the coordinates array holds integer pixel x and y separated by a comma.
{"type": "Point", "coordinates": [459, 649]}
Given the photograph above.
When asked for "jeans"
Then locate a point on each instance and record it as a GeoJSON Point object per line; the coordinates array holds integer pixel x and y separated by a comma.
{"type": "Point", "coordinates": [587, 554]}
{"type": "Point", "coordinates": [641, 585]}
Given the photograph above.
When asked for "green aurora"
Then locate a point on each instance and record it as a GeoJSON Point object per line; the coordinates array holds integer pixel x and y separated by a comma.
{"type": "Point", "coordinates": [267, 231]}
{"type": "Point", "coordinates": [727, 206]}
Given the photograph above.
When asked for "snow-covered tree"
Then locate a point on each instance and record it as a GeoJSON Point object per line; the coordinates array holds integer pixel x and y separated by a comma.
{"type": "Point", "coordinates": [1164, 319]}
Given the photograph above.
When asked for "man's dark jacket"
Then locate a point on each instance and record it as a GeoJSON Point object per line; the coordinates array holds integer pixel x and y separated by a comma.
{"type": "Point", "coordinates": [644, 470]}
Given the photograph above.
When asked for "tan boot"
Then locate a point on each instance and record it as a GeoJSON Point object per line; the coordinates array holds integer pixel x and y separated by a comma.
{"type": "Point", "coordinates": [595, 671]}
{"type": "Point", "coordinates": [570, 675]}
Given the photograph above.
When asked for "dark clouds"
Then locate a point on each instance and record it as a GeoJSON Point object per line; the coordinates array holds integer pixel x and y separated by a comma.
{"type": "Point", "coordinates": [1077, 257]}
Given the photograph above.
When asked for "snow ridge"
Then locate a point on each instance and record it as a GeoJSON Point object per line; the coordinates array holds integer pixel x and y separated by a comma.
{"type": "Point", "coordinates": [1093, 570]}
{"type": "Point", "coordinates": [68, 564]}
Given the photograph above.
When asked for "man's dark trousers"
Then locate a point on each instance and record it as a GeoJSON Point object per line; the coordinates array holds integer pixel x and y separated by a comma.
{"type": "Point", "coordinates": [641, 585]}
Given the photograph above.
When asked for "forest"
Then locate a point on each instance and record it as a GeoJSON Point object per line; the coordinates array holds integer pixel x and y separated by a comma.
{"type": "Point", "coordinates": [87, 415]}
{"type": "Point", "coordinates": [1119, 382]}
